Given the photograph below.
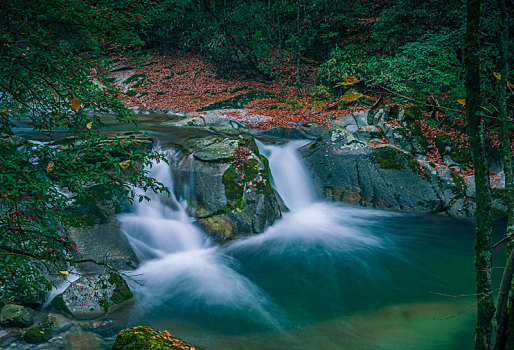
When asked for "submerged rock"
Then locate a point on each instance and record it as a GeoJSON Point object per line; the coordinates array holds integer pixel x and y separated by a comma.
{"type": "Point", "coordinates": [146, 338]}
{"type": "Point", "coordinates": [36, 334]}
{"type": "Point", "coordinates": [92, 296]}
{"type": "Point", "coordinates": [16, 316]}
{"type": "Point", "coordinates": [227, 184]}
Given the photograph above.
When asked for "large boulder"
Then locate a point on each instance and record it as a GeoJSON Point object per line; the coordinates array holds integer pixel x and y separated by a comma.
{"type": "Point", "coordinates": [16, 316]}
{"type": "Point", "coordinates": [226, 182]}
{"type": "Point", "coordinates": [146, 338]}
{"type": "Point", "coordinates": [382, 176]}
{"type": "Point", "coordinates": [104, 243]}
{"type": "Point", "coordinates": [92, 296]}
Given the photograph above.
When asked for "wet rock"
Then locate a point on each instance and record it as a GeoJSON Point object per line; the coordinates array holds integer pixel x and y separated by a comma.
{"type": "Point", "coordinates": [36, 334]}
{"type": "Point", "coordinates": [227, 184]}
{"type": "Point", "coordinates": [92, 296]}
{"type": "Point", "coordinates": [146, 338]}
{"type": "Point", "coordinates": [350, 170]}
{"type": "Point", "coordinates": [239, 101]}
{"type": "Point", "coordinates": [16, 316]}
{"type": "Point", "coordinates": [84, 341]}
{"type": "Point", "coordinates": [282, 132]}
{"type": "Point", "coordinates": [104, 243]}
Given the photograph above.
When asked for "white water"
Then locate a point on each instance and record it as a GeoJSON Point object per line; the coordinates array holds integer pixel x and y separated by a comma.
{"type": "Point", "coordinates": [184, 273]}
{"type": "Point", "coordinates": [290, 178]}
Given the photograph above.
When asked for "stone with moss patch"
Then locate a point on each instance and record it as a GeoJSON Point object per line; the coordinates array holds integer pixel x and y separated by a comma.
{"type": "Point", "coordinates": [146, 338]}
{"type": "Point", "coordinates": [230, 192]}
{"type": "Point", "coordinates": [92, 296]}
{"type": "Point", "coordinates": [239, 101]}
{"type": "Point", "coordinates": [16, 316]}
{"type": "Point", "coordinates": [36, 334]}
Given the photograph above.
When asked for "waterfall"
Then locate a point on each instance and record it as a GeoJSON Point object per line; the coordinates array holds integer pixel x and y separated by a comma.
{"type": "Point", "coordinates": [161, 226]}
{"type": "Point", "coordinates": [290, 177]}
{"type": "Point", "coordinates": [184, 274]}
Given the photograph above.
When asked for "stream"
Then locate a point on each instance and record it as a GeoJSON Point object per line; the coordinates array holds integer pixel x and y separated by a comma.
{"type": "Point", "coordinates": [325, 276]}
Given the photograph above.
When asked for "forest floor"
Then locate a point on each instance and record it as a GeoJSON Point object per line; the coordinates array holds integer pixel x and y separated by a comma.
{"type": "Point", "coordinates": [189, 82]}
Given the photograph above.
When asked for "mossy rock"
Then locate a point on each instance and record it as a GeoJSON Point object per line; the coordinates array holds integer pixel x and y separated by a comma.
{"type": "Point", "coordinates": [392, 158]}
{"type": "Point", "coordinates": [239, 101]}
{"type": "Point", "coordinates": [455, 149]}
{"type": "Point", "coordinates": [232, 182]}
{"type": "Point", "coordinates": [121, 291]}
{"type": "Point", "coordinates": [16, 316]}
{"type": "Point", "coordinates": [92, 296]}
{"type": "Point", "coordinates": [35, 335]}
{"type": "Point", "coordinates": [146, 338]}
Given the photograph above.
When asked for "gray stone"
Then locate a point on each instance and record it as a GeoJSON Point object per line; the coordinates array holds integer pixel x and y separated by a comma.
{"type": "Point", "coordinates": [361, 119]}
{"type": "Point", "coordinates": [227, 185]}
{"type": "Point", "coordinates": [92, 296]}
{"type": "Point", "coordinates": [16, 316]}
{"type": "Point", "coordinates": [384, 177]}
{"type": "Point", "coordinates": [104, 243]}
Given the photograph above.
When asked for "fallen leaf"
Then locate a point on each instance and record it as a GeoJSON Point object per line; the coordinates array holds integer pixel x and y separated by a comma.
{"type": "Point", "coordinates": [462, 102]}
{"type": "Point", "coordinates": [89, 125]}
{"type": "Point", "coordinates": [65, 272]}
{"type": "Point", "coordinates": [75, 104]}
{"type": "Point", "coordinates": [50, 167]}
{"type": "Point", "coordinates": [125, 164]}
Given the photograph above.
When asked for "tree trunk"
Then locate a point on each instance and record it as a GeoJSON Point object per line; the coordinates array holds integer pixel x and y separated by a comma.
{"type": "Point", "coordinates": [504, 310]}
{"type": "Point", "coordinates": [483, 230]}
{"type": "Point", "coordinates": [501, 310]}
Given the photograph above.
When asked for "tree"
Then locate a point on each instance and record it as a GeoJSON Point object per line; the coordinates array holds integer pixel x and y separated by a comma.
{"type": "Point", "coordinates": [483, 230]}
{"type": "Point", "coordinates": [52, 77]}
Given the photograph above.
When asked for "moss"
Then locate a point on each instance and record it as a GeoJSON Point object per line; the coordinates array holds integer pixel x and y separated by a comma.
{"type": "Point", "coordinates": [105, 304]}
{"type": "Point", "coordinates": [239, 101]}
{"type": "Point", "coordinates": [392, 158]}
{"type": "Point", "coordinates": [237, 89]}
{"type": "Point", "coordinates": [387, 158]}
{"type": "Point", "coordinates": [134, 78]}
{"type": "Point", "coordinates": [232, 182]}
{"type": "Point", "coordinates": [59, 304]}
{"type": "Point", "coordinates": [122, 291]}
{"type": "Point", "coordinates": [460, 184]}
{"type": "Point", "coordinates": [453, 148]}
{"type": "Point", "coordinates": [146, 338]}
{"type": "Point", "coordinates": [412, 117]}
{"type": "Point", "coordinates": [218, 225]}
{"type": "Point", "coordinates": [35, 335]}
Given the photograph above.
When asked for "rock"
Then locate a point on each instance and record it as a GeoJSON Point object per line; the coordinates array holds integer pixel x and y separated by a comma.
{"type": "Point", "coordinates": [16, 316]}
{"type": "Point", "coordinates": [36, 334]}
{"type": "Point", "coordinates": [282, 132]}
{"type": "Point", "coordinates": [400, 127]}
{"type": "Point", "coordinates": [146, 338]}
{"type": "Point", "coordinates": [84, 341]}
{"type": "Point", "coordinates": [227, 184]}
{"type": "Point", "coordinates": [104, 243]}
{"type": "Point", "coordinates": [92, 296]}
{"type": "Point", "coordinates": [239, 101]}
{"type": "Point", "coordinates": [347, 169]}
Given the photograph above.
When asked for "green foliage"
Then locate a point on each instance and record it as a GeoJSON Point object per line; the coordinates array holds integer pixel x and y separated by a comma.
{"type": "Point", "coordinates": [49, 82]}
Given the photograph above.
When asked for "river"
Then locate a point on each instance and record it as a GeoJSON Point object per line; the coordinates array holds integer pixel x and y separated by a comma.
{"type": "Point", "coordinates": [325, 276]}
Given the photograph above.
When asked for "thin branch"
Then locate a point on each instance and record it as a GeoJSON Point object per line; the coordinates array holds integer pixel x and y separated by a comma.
{"type": "Point", "coordinates": [468, 307]}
